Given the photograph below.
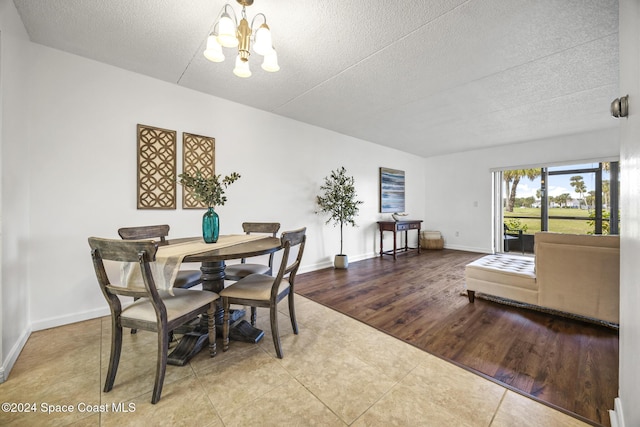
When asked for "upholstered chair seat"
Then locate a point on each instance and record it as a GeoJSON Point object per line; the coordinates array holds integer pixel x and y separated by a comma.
{"type": "Point", "coordinates": [255, 287]}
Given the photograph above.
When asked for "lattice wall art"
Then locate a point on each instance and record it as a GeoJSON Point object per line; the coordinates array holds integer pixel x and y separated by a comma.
{"type": "Point", "coordinates": [198, 154]}
{"type": "Point", "coordinates": [156, 168]}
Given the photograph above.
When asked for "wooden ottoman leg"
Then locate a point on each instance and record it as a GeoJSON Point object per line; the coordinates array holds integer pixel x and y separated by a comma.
{"type": "Point", "coordinates": [472, 295]}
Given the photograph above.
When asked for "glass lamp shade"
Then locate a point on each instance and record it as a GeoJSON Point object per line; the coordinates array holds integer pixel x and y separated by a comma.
{"type": "Point", "coordinates": [213, 52]}
{"type": "Point", "coordinates": [263, 43]}
{"type": "Point", "coordinates": [242, 68]}
{"type": "Point", "coordinates": [270, 62]}
{"type": "Point", "coordinates": [227, 31]}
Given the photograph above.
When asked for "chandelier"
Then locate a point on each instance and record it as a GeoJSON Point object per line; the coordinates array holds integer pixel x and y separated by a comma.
{"type": "Point", "coordinates": [228, 33]}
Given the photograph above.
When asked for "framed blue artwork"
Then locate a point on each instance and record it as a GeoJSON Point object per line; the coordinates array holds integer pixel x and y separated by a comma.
{"type": "Point", "coordinates": [391, 190]}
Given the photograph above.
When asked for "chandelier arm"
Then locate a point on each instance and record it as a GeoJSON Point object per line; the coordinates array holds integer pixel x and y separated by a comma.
{"type": "Point", "coordinates": [254, 20]}
{"type": "Point", "coordinates": [233, 13]}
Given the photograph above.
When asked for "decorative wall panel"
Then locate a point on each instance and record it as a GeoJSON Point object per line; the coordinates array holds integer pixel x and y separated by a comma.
{"type": "Point", "coordinates": [156, 168]}
{"type": "Point", "coordinates": [198, 154]}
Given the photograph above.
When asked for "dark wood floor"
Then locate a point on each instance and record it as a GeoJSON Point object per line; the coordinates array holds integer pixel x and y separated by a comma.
{"type": "Point", "coordinates": [565, 363]}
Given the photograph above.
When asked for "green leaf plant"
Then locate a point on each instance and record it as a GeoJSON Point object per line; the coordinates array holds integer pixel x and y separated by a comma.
{"type": "Point", "coordinates": [209, 191]}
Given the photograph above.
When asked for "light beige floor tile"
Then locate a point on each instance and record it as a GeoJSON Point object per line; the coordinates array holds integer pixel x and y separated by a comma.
{"type": "Point", "coordinates": [394, 357]}
{"type": "Point", "coordinates": [238, 381]}
{"type": "Point", "coordinates": [137, 366]}
{"type": "Point", "coordinates": [330, 323]}
{"type": "Point", "coordinates": [55, 402]}
{"type": "Point", "coordinates": [202, 361]}
{"type": "Point", "coordinates": [344, 383]}
{"type": "Point", "coordinates": [264, 323]}
{"type": "Point", "coordinates": [183, 403]}
{"type": "Point", "coordinates": [436, 394]}
{"type": "Point", "coordinates": [91, 420]}
{"type": "Point", "coordinates": [56, 367]}
{"type": "Point", "coordinates": [57, 354]}
{"type": "Point", "coordinates": [379, 350]}
{"type": "Point", "coordinates": [520, 411]}
{"type": "Point", "coordinates": [289, 404]}
{"type": "Point", "coordinates": [304, 349]}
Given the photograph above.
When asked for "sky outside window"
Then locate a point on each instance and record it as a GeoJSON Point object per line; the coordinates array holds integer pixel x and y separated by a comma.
{"type": "Point", "coordinates": [560, 184]}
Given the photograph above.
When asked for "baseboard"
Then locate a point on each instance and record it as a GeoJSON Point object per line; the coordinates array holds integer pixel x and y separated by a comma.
{"type": "Point", "coordinates": [13, 354]}
{"type": "Point", "coordinates": [329, 262]}
{"type": "Point", "coordinates": [53, 322]}
{"type": "Point", "coordinates": [616, 416]}
{"type": "Point", "coordinates": [468, 249]}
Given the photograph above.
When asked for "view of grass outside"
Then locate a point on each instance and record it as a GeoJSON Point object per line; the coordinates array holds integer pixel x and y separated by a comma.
{"type": "Point", "coordinates": [532, 222]}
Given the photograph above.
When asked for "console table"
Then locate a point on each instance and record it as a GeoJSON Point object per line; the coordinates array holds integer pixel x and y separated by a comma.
{"type": "Point", "coordinates": [395, 226]}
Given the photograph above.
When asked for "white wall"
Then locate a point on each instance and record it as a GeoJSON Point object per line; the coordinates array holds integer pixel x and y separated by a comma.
{"type": "Point", "coordinates": [14, 189]}
{"type": "Point", "coordinates": [456, 182]}
{"type": "Point", "coordinates": [630, 217]}
{"type": "Point", "coordinates": [82, 138]}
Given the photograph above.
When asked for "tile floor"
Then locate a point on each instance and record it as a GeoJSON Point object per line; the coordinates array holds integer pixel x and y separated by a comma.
{"type": "Point", "coordinates": [336, 372]}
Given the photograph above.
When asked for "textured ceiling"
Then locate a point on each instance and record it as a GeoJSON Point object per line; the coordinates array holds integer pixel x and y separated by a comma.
{"type": "Point", "coordinates": [425, 77]}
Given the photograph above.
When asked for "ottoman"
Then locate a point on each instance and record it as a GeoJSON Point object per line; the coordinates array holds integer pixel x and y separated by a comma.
{"type": "Point", "coordinates": [507, 276]}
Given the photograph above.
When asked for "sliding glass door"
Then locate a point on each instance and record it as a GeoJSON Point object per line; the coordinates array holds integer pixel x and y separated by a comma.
{"type": "Point", "coordinates": [576, 198]}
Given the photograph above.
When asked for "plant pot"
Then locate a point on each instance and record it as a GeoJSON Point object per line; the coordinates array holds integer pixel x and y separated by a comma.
{"type": "Point", "coordinates": [341, 261]}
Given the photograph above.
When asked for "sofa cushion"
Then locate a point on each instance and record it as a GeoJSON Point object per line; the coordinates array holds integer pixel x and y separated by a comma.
{"type": "Point", "coordinates": [512, 270]}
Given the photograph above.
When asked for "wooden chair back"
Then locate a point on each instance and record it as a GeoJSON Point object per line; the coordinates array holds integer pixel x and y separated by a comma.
{"type": "Point", "coordinates": [145, 232]}
{"type": "Point", "coordinates": [261, 227]}
{"type": "Point", "coordinates": [290, 240]}
{"type": "Point", "coordinates": [141, 252]}
{"type": "Point", "coordinates": [185, 278]}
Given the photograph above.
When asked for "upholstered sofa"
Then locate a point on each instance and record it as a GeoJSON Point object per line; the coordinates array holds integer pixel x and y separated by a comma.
{"type": "Point", "coordinates": [576, 274]}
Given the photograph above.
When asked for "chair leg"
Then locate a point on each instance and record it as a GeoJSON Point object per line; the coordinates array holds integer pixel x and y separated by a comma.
{"type": "Point", "coordinates": [292, 313]}
{"type": "Point", "coordinates": [133, 330]}
{"type": "Point", "coordinates": [114, 358]}
{"type": "Point", "coordinates": [161, 364]}
{"type": "Point", "coordinates": [274, 330]}
{"type": "Point", "coordinates": [225, 324]}
{"type": "Point", "coordinates": [211, 324]}
{"type": "Point", "coordinates": [254, 316]}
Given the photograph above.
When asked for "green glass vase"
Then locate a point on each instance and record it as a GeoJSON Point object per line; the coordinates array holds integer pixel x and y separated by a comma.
{"type": "Point", "coordinates": [210, 226]}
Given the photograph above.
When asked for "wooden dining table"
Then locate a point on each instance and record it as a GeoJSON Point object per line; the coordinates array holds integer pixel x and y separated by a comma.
{"type": "Point", "coordinates": [212, 267]}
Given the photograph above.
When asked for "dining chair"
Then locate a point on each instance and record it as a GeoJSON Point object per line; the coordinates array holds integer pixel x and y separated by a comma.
{"type": "Point", "coordinates": [154, 310]}
{"type": "Point", "coordinates": [238, 271]}
{"type": "Point", "coordinates": [185, 278]}
{"type": "Point", "coordinates": [262, 290]}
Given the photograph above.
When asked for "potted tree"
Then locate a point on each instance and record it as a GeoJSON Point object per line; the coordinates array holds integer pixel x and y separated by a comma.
{"type": "Point", "coordinates": [338, 199]}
